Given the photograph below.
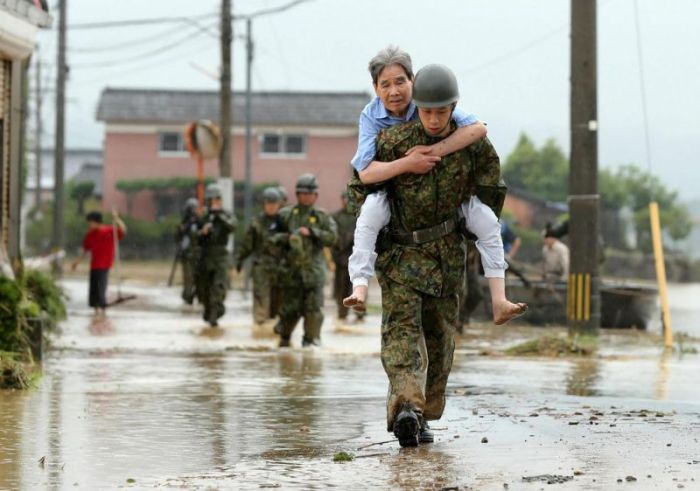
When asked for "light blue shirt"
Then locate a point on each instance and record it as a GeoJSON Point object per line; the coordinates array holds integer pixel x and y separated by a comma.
{"type": "Point", "coordinates": [375, 118]}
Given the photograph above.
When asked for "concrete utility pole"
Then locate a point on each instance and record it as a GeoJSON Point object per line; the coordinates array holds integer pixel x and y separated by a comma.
{"type": "Point", "coordinates": [583, 299]}
{"type": "Point", "coordinates": [225, 90]}
{"type": "Point", "coordinates": [59, 144]}
{"type": "Point", "coordinates": [248, 132]}
{"type": "Point", "coordinates": [39, 129]}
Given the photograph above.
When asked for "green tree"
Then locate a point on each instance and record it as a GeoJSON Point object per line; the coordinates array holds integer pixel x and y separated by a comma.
{"type": "Point", "coordinates": [633, 187]}
{"type": "Point", "coordinates": [80, 192]}
{"type": "Point", "coordinates": [543, 172]}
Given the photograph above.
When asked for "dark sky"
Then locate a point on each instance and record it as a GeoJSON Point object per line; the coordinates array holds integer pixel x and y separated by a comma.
{"type": "Point", "coordinates": [511, 57]}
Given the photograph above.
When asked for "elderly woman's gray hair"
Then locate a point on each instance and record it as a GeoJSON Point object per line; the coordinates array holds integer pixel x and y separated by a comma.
{"type": "Point", "coordinates": [391, 55]}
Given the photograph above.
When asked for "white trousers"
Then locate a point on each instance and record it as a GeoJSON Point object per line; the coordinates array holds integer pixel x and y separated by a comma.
{"type": "Point", "coordinates": [375, 215]}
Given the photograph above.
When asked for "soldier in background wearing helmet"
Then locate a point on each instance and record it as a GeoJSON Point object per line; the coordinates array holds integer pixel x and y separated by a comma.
{"type": "Point", "coordinates": [341, 250]}
{"type": "Point", "coordinates": [188, 250]}
{"type": "Point", "coordinates": [283, 195]}
{"type": "Point", "coordinates": [422, 266]}
{"type": "Point", "coordinates": [257, 242]}
{"type": "Point", "coordinates": [215, 227]}
{"type": "Point", "coordinates": [305, 232]}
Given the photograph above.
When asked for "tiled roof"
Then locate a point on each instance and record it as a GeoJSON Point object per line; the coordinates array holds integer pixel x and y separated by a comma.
{"type": "Point", "coordinates": [268, 108]}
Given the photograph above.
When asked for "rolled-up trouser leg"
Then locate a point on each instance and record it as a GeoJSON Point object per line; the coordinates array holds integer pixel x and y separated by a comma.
{"type": "Point", "coordinates": [261, 294]}
{"type": "Point", "coordinates": [313, 312]}
{"type": "Point", "coordinates": [404, 355]}
{"type": "Point", "coordinates": [290, 310]}
{"type": "Point", "coordinates": [439, 323]}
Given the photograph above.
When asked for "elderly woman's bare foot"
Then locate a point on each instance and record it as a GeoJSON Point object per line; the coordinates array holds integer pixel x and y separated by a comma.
{"type": "Point", "coordinates": [506, 311]}
{"type": "Point", "coordinates": [358, 298]}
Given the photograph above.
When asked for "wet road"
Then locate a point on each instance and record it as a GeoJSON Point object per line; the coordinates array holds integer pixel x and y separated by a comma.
{"type": "Point", "coordinates": [150, 398]}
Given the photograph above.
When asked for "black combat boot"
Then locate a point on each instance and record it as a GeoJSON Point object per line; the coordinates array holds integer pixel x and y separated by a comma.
{"type": "Point", "coordinates": [306, 342]}
{"type": "Point", "coordinates": [407, 426]}
{"type": "Point", "coordinates": [284, 342]}
{"type": "Point", "coordinates": [426, 434]}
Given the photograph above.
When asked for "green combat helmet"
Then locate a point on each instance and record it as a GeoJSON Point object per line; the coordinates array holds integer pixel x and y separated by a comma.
{"type": "Point", "coordinates": [306, 183]}
{"type": "Point", "coordinates": [435, 86]}
{"type": "Point", "coordinates": [213, 191]}
{"type": "Point", "coordinates": [271, 195]}
{"type": "Point", "coordinates": [191, 205]}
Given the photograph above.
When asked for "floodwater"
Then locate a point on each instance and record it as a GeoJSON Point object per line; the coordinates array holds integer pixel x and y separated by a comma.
{"type": "Point", "coordinates": [151, 398]}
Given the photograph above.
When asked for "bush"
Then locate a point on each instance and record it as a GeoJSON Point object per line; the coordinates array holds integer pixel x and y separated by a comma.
{"type": "Point", "coordinates": [48, 296]}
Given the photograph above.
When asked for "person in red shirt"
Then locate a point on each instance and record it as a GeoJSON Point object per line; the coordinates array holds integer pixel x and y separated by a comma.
{"type": "Point", "coordinates": [99, 242]}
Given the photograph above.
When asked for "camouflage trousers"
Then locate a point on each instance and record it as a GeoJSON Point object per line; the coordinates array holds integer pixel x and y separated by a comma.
{"type": "Point", "coordinates": [264, 280]}
{"type": "Point", "coordinates": [417, 348]}
{"type": "Point", "coordinates": [212, 280]}
{"type": "Point", "coordinates": [189, 279]}
{"type": "Point", "coordinates": [300, 301]}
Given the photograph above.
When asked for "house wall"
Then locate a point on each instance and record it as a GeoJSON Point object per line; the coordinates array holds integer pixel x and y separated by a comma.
{"type": "Point", "coordinates": [133, 153]}
{"type": "Point", "coordinates": [521, 210]}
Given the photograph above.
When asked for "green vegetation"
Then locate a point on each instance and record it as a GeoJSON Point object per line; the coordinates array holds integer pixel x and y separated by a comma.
{"type": "Point", "coordinates": [343, 457]}
{"type": "Point", "coordinates": [80, 192]}
{"type": "Point", "coordinates": [544, 172]}
{"type": "Point", "coordinates": [555, 346]}
{"type": "Point", "coordinates": [31, 299]}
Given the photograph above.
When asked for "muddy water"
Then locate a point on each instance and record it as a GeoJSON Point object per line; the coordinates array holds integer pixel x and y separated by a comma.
{"type": "Point", "coordinates": [151, 395]}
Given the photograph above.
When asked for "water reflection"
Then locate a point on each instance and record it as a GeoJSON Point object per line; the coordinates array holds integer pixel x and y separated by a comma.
{"type": "Point", "coordinates": [664, 375]}
{"type": "Point", "coordinates": [583, 377]}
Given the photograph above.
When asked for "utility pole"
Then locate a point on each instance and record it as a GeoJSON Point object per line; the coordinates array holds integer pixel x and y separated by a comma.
{"type": "Point", "coordinates": [248, 115]}
{"type": "Point", "coordinates": [225, 90]}
{"type": "Point", "coordinates": [37, 142]}
{"type": "Point", "coordinates": [583, 299]}
{"type": "Point", "coordinates": [59, 143]}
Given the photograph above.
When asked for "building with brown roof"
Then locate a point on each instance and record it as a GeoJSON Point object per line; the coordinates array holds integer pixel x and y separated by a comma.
{"type": "Point", "coordinates": [292, 132]}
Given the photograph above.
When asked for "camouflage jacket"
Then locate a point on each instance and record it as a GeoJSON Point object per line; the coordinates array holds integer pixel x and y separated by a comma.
{"type": "Point", "coordinates": [422, 201]}
{"type": "Point", "coordinates": [257, 241]}
{"type": "Point", "coordinates": [303, 261]}
{"type": "Point", "coordinates": [214, 243]}
{"type": "Point", "coordinates": [187, 237]}
{"type": "Point", "coordinates": [346, 236]}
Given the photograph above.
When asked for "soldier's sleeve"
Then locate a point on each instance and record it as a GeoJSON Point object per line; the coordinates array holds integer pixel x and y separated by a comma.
{"type": "Point", "coordinates": [490, 187]}
{"type": "Point", "coordinates": [247, 244]}
{"type": "Point", "coordinates": [326, 231]}
{"type": "Point", "coordinates": [228, 220]}
{"type": "Point", "coordinates": [357, 191]}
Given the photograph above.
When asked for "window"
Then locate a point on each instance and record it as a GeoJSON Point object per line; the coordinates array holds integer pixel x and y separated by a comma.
{"type": "Point", "coordinates": [287, 145]}
{"type": "Point", "coordinates": [171, 142]}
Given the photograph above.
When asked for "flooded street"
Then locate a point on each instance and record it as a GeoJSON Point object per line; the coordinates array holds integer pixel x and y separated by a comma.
{"type": "Point", "coordinates": [151, 398]}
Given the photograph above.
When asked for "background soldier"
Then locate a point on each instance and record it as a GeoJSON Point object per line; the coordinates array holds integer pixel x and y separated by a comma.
{"type": "Point", "coordinates": [214, 229]}
{"type": "Point", "coordinates": [257, 241]}
{"type": "Point", "coordinates": [305, 232]}
{"type": "Point", "coordinates": [188, 251]}
{"type": "Point", "coordinates": [341, 250]}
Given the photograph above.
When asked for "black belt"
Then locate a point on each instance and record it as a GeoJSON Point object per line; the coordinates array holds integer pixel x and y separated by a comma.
{"type": "Point", "coordinates": [425, 235]}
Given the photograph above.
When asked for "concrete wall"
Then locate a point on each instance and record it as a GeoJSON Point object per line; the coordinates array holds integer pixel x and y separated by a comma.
{"type": "Point", "coordinates": [135, 155]}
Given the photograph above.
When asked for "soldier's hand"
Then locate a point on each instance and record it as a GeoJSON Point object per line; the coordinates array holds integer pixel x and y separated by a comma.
{"type": "Point", "coordinates": [420, 162]}
{"type": "Point", "coordinates": [206, 228]}
{"type": "Point", "coordinates": [305, 231]}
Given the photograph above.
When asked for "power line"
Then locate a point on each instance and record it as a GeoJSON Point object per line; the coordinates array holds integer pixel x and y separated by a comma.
{"type": "Point", "coordinates": [122, 45]}
{"type": "Point", "coordinates": [642, 85]}
{"type": "Point", "coordinates": [140, 22]}
{"type": "Point", "coordinates": [141, 56]}
{"type": "Point", "coordinates": [273, 10]}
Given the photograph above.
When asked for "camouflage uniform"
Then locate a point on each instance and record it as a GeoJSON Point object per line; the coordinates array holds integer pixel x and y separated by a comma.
{"type": "Point", "coordinates": [257, 241]}
{"type": "Point", "coordinates": [189, 252]}
{"type": "Point", "coordinates": [304, 268]}
{"type": "Point", "coordinates": [213, 264]}
{"type": "Point", "coordinates": [421, 282]}
{"type": "Point", "coordinates": [341, 250]}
